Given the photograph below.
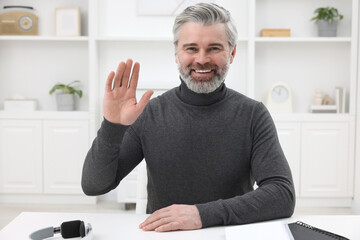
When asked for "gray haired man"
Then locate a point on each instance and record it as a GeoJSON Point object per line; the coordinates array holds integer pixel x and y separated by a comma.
{"type": "Point", "coordinates": [204, 144]}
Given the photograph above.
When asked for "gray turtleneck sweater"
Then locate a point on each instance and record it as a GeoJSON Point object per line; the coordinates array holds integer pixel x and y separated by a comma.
{"type": "Point", "coordinates": [202, 149]}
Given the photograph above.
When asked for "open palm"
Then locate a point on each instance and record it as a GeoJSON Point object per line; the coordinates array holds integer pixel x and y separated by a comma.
{"type": "Point", "coordinates": [119, 104]}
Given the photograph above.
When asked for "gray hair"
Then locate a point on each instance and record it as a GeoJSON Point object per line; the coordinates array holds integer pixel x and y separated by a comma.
{"type": "Point", "coordinates": [206, 14]}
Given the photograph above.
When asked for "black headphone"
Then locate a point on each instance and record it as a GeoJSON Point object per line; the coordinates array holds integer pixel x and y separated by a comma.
{"type": "Point", "coordinates": [69, 229]}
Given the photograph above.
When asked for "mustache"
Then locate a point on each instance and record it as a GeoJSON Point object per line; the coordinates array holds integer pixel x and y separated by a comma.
{"type": "Point", "coordinates": [203, 67]}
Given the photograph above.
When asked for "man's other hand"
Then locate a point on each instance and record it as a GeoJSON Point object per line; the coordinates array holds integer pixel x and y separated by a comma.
{"type": "Point", "coordinates": [174, 217]}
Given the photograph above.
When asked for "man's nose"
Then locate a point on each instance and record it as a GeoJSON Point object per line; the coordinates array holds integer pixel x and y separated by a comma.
{"type": "Point", "coordinates": [202, 57]}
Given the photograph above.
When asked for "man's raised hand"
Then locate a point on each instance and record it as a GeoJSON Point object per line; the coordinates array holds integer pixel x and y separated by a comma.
{"type": "Point", "coordinates": [119, 104]}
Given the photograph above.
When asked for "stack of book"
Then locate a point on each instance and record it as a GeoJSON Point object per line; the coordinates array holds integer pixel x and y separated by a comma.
{"type": "Point", "coordinates": [323, 109]}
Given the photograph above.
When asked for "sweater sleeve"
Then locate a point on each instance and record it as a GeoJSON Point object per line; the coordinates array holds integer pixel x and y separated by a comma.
{"type": "Point", "coordinates": [275, 195]}
{"type": "Point", "coordinates": [115, 151]}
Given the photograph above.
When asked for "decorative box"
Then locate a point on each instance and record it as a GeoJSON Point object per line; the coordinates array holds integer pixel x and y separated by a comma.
{"type": "Point", "coordinates": [275, 32]}
{"type": "Point", "coordinates": [20, 105]}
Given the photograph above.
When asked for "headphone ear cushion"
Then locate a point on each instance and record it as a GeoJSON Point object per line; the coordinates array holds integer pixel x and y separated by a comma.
{"type": "Point", "coordinates": [70, 229]}
{"type": "Point", "coordinates": [82, 229]}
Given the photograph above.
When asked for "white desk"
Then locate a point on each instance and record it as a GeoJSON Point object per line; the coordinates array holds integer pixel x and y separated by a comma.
{"type": "Point", "coordinates": [125, 226]}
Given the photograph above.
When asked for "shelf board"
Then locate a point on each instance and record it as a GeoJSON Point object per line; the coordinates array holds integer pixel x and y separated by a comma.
{"type": "Point", "coordinates": [144, 38]}
{"type": "Point", "coordinates": [168, 39]}
{"type": "Point", "coordinates": [38, 115]}
{"type": "Point", "coordinates": [43, 38]}
{"type": "Point", "coordinates": [134, 38]}
{"type": "Point", "coordinates": [303, 39]}
{"type": "Point", "coordinates": [313, 117]}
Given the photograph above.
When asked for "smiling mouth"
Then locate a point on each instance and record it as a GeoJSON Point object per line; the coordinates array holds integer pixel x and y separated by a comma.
{"type": "Point", "coordinates": [203, 71]}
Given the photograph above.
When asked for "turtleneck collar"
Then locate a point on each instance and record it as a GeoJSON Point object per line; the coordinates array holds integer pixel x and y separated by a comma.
{"type": "Point", "coordinates": [200, 99]}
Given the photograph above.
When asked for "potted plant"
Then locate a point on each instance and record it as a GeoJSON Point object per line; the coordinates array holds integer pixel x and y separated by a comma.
{"type": "Point", "coordinates": [327, 20]}
{"type": "Point", "coordinates": [65, 99]}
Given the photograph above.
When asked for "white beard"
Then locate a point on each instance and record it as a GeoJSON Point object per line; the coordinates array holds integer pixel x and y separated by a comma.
{"type": "Point", "coordinates": [203, 86]}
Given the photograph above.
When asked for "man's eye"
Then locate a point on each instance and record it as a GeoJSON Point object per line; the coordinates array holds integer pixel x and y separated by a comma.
{"type": "Point", "coordinates": [215, 49]}
{"type": "Point", "coordinates": [192, 49]}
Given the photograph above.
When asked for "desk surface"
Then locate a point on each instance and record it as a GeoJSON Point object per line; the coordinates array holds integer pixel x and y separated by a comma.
{"type": "Point", "coordinates": [125, 226]}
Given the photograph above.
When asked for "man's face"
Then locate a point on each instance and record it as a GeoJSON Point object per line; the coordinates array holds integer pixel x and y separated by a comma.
{"type": "Point", "coordinates": [203, 56]}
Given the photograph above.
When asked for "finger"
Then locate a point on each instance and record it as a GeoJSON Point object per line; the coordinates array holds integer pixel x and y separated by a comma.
{"type": "Point", "coordinates": [155, 216]}
{"type": "Point", "coordinates": [109, 81]}
{"type": "Point", "coordinates": [119, 74]}
{"type": "Point", "coordinates": [156, 224]}
{"type": "Point", "coordinates": [171, 226]}
{"type": "Point", "coordinates": [135, 76]}
{"type": "Point", "coordinates": [143, 101]}
{"type": "Point", "coordinates": [126, 76]}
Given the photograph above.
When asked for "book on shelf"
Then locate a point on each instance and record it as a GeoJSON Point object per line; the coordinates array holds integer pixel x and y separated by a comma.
{"type": "Point", "coordinates": [277, 32]}
{"type": "Point", "coordinates": [340, 94]}
{"type": "Point", "coordinates": [323, 108]}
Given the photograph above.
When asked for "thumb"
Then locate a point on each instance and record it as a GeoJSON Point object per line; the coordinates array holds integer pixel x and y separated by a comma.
{"type": "Point", "coordinates": [144, 100]}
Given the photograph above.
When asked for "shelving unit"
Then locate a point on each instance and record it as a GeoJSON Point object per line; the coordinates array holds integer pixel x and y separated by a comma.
{"type": "Point", "coordinates": [113, 32]}
{"type": "Point", "coordinates": [42, 152]}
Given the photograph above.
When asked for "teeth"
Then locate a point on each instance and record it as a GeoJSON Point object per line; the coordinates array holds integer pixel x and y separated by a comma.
{"type": "Point", "coordinates": [203, 71]}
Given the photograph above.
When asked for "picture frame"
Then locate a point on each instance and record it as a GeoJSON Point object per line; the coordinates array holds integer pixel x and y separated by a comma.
{"type": "Point", "coordinates": [68, 21]}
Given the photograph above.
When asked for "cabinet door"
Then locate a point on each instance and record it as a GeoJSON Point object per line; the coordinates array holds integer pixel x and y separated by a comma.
{"type": "Point", "coordinates": [289, 137]}
{"type": "Point", "coordinates": [20, 156]}
{"type": "Point", "coordinates": [65, 146]}
{"type": "Point", "coordinates": [325, 160]}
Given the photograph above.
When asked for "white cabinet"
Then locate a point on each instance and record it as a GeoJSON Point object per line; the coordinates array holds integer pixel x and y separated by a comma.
{"type": "Point", "coordinates": [320, 157]}
{"type": "Point", "coordinates": [20, 156]}
{"type": "Point", "coordinates": [289, 137]}
{"type": "Point", "coordinates": [43, 155]}
{"type": "Point", "coordinates": [325, 165]}
{"type": "Point", "coordinates": [65, 148]}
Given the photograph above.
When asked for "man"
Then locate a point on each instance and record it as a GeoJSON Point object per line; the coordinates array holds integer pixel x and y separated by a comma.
{"type": "Point", "coordinates": [204, 144]}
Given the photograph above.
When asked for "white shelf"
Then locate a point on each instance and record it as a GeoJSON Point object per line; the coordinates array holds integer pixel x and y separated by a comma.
{"type": "Point", "coordinates": [303, 39]}
{"type": "Point", "coordinates": [43, 38]}
{"type": "Point", "coordinates": [64, 115]}
{"type": "Point", "coordinates": [144, 38]}
{"type": "Point", "coordinates": [133, 38]}
{"type": "Point", "coordinates": [313, 117]}
{"type": "Point", "coordinates": [166, 39]}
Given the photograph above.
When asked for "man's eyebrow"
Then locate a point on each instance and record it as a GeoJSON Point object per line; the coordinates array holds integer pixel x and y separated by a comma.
{"type": "Point", "coordinates": [216, 45]}
{"type": "Point", "coordinates": [189, 45]}
{"type": "Point", "coordinates": [210, 45]}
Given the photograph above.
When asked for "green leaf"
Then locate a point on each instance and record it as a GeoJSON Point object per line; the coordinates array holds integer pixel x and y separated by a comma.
{"type": "Point", "coordinates": [57, 87]}
{"type": "Point", "coordinates": [67, 89]}
{"type": "Point", "coordinates": [327, 14]}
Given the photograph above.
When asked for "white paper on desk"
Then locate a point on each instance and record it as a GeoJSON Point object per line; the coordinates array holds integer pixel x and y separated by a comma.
{"type": "Point", "coordinates": [259, 231]}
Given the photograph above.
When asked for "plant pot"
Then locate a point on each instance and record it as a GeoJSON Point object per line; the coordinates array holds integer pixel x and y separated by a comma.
{"type": "Point", "coordinates": [326, 29]}
{"type": "Point", "coordinates": [65, 102]}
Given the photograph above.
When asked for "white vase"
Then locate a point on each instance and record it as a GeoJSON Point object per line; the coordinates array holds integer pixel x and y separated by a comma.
{"type": "Point", "coordinates": [65, 102]}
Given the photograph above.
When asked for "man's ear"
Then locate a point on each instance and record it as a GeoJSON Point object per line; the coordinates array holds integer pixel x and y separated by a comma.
{"type": "Point", "coordinates": [176, 59]}
{"type": "Point", "coordinates": [233, 52]}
